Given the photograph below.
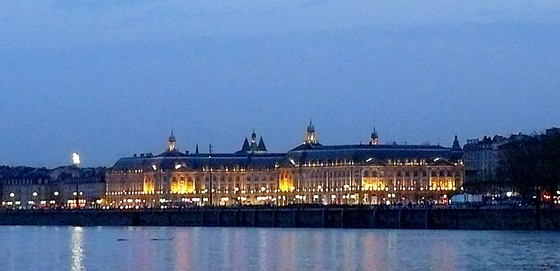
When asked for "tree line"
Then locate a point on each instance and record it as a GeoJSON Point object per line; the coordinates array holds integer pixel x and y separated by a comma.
{"type": "Point", "coordinates": [531, 165]}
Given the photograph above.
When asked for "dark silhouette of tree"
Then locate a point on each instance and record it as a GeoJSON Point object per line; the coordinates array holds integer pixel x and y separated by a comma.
{"type": "Point", "coordinates": [531, 164]}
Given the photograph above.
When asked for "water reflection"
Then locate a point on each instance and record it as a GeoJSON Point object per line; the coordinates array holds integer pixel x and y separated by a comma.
{"type": "Point", "coordinates": [155, 248]}
{"type": "Point", "coordinates": [77, 248]}
{"type": "Point", "coordinates": [183, 254]}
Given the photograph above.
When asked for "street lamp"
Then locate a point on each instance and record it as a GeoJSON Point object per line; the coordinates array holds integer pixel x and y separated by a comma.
{"type": "Point", "coordinates": [12, 195]}
{"type": "Point", "coordinates": [210, 175]}
{"type": "Point", "coordinates": [53, 202]}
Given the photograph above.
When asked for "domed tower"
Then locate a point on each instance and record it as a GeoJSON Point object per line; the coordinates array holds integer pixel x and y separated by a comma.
{"type": "Point", "coordinates": [171, 142]}
{"type": "Point", "coordinates": [456, 144]}
{"type": "Point", "coordinates": [254, 140]}
{"type": "Point", "coordinates": [310, 136]}
{"type": "Point", "coordinates": [374, 137]}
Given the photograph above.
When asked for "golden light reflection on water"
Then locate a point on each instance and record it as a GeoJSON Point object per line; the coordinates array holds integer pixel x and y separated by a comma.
{"type": "Point", "coordinates": [287, 251]}
{"type": "Point", "coordinates": [370, 245]}
{"type": "Point", "coordinates": [77, 249]}
{"type": "Point", "coordinates": [183, 254]}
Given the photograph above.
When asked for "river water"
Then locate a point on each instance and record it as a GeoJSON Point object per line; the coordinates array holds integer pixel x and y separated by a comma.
{"type": "Point", "coordinates": [155, 248]}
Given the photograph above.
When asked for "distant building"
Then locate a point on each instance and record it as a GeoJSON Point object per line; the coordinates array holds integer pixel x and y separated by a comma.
{"type": "Point", "coordinates": [482, 158]}
{"type": "Point", "coordinates": [32, 188]}
{"type": "Point", "coordinates": [24, 186]}
{"type": "Point", "coordinates": [310, 173]}
{"type": "Point", "coordinates": [83, 185]}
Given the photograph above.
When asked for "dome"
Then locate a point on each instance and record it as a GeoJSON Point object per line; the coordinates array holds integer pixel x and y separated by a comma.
{"type": "Point", "coordinates": [253, 136]}
{"type": "Point", "coordinates": [374, 133]}
{"type": "Point", "coordinates": [310, 128]}
{"type": "Point", "coordinates": [172, 137]}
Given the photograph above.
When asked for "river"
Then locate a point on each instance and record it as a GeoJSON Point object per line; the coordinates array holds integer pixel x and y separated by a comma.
{"type": "Point", "coordinates": [169, 248]}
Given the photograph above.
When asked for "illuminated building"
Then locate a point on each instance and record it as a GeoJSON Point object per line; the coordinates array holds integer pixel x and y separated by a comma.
{"type": "Point", "coordinates": [36, 188]}
{"type": "Point", "coordinates": [310, 173]}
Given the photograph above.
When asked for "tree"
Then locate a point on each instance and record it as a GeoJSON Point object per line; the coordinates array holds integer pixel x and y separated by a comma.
{"type": "Point", "coordinates": [531, 164]}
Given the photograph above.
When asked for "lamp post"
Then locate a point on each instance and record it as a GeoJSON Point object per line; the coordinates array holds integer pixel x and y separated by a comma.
{"type": "Point", "coordinates": [56, 198]}
{"type": "Point", "coordinates": [13, 195]}
{"type": "Point", "coordinates": [76, 162]}
{"type": "Point", "coordinates": [210, 163]}
{"type": "Point", "coordinates": [77, 194]}
{"type": "Point", "coordinates": [236, 195]}
{"type": "Point", "coordinates": [34, 194]}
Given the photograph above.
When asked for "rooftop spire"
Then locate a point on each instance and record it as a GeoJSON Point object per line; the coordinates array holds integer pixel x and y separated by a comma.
{"type": "Point", "coordinates": [310, 137]}
{"type": "Point", "coordinates": [261, 147]}
{"type": "Point", "coordinates": [251, 146]}
{"type": "Point", "coordinates": [310, 127]}
{"type": "Point", "coordinates": [171, 142]}
{"type": "Point", "coordinates": [374, 137]}
{"type": "Point", "coordinates": [456, 144]}
{"type": "Point", "coordinates": [253, 137]}
{"type": "Point", "coordinates": [246, 147]}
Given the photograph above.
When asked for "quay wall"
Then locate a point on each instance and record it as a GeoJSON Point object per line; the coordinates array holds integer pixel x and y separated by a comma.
{"type": "Point", "coordinates": [327, 217]}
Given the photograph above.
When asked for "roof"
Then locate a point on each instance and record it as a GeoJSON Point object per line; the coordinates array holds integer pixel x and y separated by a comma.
{"type": "Point", "coordinates": [198, 161]}
{"type": "Point", "coordinates": [253, 147]}
{"type": "Point", "coordinates": [361, 153]}
{"type": "Point", "coordinates": [301, 154]}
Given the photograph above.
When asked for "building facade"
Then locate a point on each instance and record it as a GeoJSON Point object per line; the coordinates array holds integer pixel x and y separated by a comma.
{"type": "Point", "coordinates": [62, 187]}
{"type": "Point", "coordinates": [482, 159]}
{"type": "Point", "coordinates": [310, 173]}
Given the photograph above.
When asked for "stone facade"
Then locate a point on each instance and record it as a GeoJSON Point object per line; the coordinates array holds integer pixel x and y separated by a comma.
{"type": "Point", "coordinates": [309, 173]}
{"type": "Point", "coordinates": [62, 187]}
{"type": "Point", "coordinates": [482, 158]}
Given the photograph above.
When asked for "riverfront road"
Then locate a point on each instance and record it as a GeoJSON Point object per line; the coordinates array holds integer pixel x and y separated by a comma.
{"type": "Point", "coordinates": [300, 217]}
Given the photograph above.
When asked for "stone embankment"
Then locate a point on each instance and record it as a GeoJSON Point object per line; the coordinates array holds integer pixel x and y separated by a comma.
{"type": "Point", "coordinates": [296, 217]}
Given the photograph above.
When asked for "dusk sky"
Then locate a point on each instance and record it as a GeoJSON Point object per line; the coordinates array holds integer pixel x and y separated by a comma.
{"type": "Point", "coordinates": [109, 78]}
